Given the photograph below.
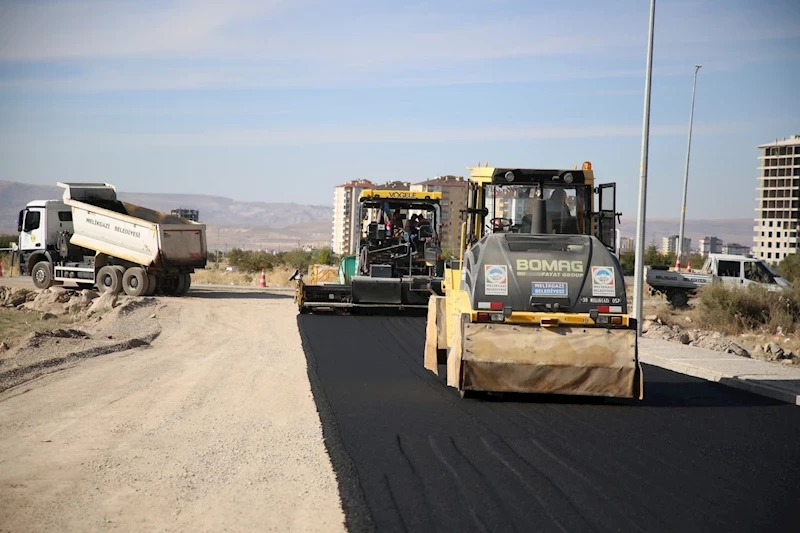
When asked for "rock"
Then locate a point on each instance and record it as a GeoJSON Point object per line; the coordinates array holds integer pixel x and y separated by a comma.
{"type": "Point", "coordinates": [153, 316]}
{"type": "Point", "coordinates": [646, 325]}
{"type": "Point", "coordinates": [16, 297]}
{"type": "Point", "coordinates": [48, 316]}
{"type": "Point", "coordinates": [651, 318]}
{"type": "Point", "coordinates": [106, 302]}
{"type": "Point", "coordinates": [676, 329]}
{"type": "Point", "coordinates": [738, 350]}
{"type": "Point", "coordinates": [684, 338]}
{"type": "Point", "coordinates": [688, 319]}
{"type": "Point", "coordinates": [775, 349]}
{"type": "Point", "coordinates": [787, 362]}
{"type": "Point", "coordinates": [716, 335]}
{"type": "Point", "coordinates": [3, 347]}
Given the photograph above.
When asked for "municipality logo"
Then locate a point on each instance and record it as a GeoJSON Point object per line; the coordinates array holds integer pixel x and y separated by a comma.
{"type": "Point", "coordinates": [603, 276]}
{"type": "Point", "coordinates": [496, 274]}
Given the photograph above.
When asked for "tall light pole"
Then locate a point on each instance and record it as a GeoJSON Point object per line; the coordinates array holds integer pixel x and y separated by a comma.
{"type": "Point", "coordinates": [638, 284]}
{"type": "Point", "coordinates": [686, 172]}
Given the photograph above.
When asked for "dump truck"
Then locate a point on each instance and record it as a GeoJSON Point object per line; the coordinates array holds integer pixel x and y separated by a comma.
{"type": "Point", "coordinates": [387, 267]}
{"type": "Point", "coordinates": [536, 301]}
{"type": "Point", "coordinates": [91, 238]}
{"type": "Point", "coordinates": [733, 270]}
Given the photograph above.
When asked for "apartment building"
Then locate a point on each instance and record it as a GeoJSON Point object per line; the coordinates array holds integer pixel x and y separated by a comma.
{"type": "Point", "coordinates": [735, 249]}
{"type": "Point", "coordinates": [710, 245]}
{"type": "Point", "coordinates": [669, 244]}
{"type": "Point", "coordinates": [778, 197]}
{"type": "Point", "coordinates": [345, 199]}
{"type": "Point", "coordinates": [454, 198]}
{"type": "Point", "coordinates": [626, 245]}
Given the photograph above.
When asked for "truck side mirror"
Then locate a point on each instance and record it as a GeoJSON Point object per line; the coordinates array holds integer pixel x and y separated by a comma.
{"type": "Point", "coordinates": [19, 220]}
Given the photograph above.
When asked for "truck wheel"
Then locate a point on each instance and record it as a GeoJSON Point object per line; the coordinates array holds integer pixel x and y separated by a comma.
{"type": "Point", "coordinates": [135, 282]}
{"type": "Point", "coordinates": [678, 299]}
{"type": "Point", "coordinates": [42, 275]}
{"type": "Point", "coordinates": [109, 279]}
{"type": "Point", "coordinates": [152, 284]}
{"type": "Point", "coordinates": [185, 281]}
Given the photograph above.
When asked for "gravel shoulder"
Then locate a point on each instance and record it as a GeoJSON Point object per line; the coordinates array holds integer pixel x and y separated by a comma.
{"type": "Point", "coordinates": [211, 428]}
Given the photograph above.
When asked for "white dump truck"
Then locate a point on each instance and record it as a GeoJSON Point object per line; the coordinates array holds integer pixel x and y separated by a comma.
{"type": "Point", "coordinates": [91, 238]}
{"type": "Point", "coordinates": [735, 270]}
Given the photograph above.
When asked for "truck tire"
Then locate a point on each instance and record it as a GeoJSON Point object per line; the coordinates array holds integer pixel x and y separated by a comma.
{"type": "Point", "coordinates": [152, 284]}
{"type": "Point", "coordinates": [187, 282]}
{"type": "Point", "coordinates": [180, 285]}
{"type": "Point", "coordinates": [109, 279]}
{"type": "Point", "coordinates": [678, 298]}
{"type": "Point", "coordinates": [42, 275]}
{"type": "Point", "coordinates": [135, 282]}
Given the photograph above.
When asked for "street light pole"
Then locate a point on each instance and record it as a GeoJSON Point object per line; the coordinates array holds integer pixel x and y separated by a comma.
{"type": "Point", "coordinates": [686, 172]}
{"type": "Point", "coordinates": [638, 284]}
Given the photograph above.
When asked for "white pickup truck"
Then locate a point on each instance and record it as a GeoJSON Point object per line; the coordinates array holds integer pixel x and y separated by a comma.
{"type": "Point", "coordinates": [89, 237]}
{"type": "Point", "coordinates": [731, 269]}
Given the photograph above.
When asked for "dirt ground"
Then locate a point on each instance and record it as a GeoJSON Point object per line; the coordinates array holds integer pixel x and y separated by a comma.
{"type": "Point", "coordinates": [209, 426]}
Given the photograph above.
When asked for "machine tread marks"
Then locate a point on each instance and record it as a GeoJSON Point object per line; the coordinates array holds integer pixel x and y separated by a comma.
{"type": "Point", "coordinates": [42, 275]}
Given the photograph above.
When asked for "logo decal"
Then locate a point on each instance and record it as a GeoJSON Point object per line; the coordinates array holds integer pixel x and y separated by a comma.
{"type": "Point", "coordinates": [495, 280]}
{"type": "Point", "coordinates": [603, 281]}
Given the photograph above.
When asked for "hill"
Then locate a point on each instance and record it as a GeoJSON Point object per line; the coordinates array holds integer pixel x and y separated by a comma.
{"type": "Point", "coordinates": [735, 230]}
{"type": "Point", "coordinates": [214, 210]}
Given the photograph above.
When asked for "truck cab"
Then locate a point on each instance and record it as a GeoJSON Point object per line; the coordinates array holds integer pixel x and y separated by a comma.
{"type": "Point", "coordinates": [743, 270]}
{"type": "Point", "coordinates": [39, 225]}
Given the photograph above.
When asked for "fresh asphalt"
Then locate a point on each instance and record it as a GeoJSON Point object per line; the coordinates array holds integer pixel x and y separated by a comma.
{"type": "Point", "coordinates": [411, 455]}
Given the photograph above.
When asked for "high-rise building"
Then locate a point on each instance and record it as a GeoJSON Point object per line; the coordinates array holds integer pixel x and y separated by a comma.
{"type": "Point", "coordinates": [778, 196]}
{"type": "Point", "coordinates": [345, 199]}
{"type": "Point", "coordinates": [710, 245]}
{"type": "Point", "coordinates": [625, 245]}
{"type": "Point", "coordinates": [669, 244]}
{"type": "Point", "coordinates": [454, 199]}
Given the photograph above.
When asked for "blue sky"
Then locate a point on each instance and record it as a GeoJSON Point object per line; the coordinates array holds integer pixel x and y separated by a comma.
{"type": "Point", "coordinates": [282, 100]}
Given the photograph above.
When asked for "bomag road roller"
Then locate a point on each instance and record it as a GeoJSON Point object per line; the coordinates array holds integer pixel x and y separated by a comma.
{"type": "Point", "coordinates": [536, 301]}
{"type": "Point", "coordinates": [395, 260]}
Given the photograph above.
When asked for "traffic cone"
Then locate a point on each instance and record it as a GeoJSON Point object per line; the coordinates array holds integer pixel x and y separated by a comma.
{"type": "Point", "coordinates": [689, 266]}
{"type": "Point", "coordinates": [677, 263]}
{"type": "Point", "coordinates": [263, 281]}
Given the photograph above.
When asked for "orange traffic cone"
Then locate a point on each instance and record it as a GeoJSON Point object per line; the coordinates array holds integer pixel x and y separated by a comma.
{"type": "Point", "coordinates": [263, 281]}
{"type": "Point", "coordinates": [677, 264]}
{"type": "Point", "coordinates": [689, 266]}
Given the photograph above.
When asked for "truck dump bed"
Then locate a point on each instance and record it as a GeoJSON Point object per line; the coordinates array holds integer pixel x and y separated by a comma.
{"type": "Point", "coordinates": [143, 236]}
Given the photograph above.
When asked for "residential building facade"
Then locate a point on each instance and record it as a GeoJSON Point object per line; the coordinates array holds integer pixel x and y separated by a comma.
{"type": "Point", "coordinates": [454, 199]}
{"type": "Point", "coordinates": [669, 245]}
{"type": "Point", "coordinates": [778, 197]}
{"type": "Point", "coordinates": [710, 245]}
{"type": "Point", "coordinates": [626, 245]}
{"type": "Point", "coordinates": [345, 222]}
{"type": "Point", "coordinates": [735, 249]}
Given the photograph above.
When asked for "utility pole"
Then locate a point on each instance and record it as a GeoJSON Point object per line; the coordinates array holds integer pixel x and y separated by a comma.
{"type": "Point", "coordinates": [686, 172]}
{"type": "Point", "coordinates": [638, 284]}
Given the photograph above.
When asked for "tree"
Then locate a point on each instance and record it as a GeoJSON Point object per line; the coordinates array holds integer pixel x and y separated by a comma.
{"type": "Point", "coordinates": [789, 267]}
{"type": "Point", "coordinates": [628, 263]}
{"type": "Point", "coordinates": [323, 256]}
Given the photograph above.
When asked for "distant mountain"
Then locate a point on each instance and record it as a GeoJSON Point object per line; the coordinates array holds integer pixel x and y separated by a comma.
{"type": "Point", "coordinates": [214, 210]}
{"type": "Point", "coordinates": [735, 230]}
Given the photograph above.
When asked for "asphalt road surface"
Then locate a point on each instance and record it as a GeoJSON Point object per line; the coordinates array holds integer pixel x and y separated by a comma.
{"type": "Point", "coordinates": [411, 455]}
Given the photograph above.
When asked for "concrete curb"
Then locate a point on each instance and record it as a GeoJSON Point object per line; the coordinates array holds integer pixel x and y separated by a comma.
{"type": "Point", "coordinates": [748, 385]}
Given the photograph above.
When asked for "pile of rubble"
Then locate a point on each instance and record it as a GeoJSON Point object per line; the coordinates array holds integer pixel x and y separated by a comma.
{"type": "Point", "coordinates": [654, 327]}
{"type": "Point", "coordinates": [58, 301]}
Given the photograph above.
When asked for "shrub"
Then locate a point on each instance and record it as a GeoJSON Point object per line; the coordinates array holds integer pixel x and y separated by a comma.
{"type": "Point", "coordinates": [736, 309]}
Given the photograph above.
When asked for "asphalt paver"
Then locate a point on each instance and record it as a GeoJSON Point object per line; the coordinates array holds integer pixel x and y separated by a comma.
{"type": "Point", "coordinates": [411, 455]}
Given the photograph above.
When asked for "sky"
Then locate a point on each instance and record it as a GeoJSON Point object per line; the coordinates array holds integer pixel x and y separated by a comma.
{"type": "Point", "coordinates": [281, 100]}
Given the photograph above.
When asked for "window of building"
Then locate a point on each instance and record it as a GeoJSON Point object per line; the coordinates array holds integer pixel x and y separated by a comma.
{"type": "Point", "coordinates": [769, 255]}
{"type": "Point", "coordinates": [781, 172]}
{"type": "Point", "coordinates": [796, 172]}
{"type": "Point", "coordinates": [782, 161]}
{"type": "Point", "coordinates": [770, 225]}
{"type": "Point", "coordinates": [777, 245]}
{"type": "Point", "coordinates": [796, 159]}
{"type": "Point", "coordinates": [773, 172]}
{"type": "Point", "coordinates": [769, 244]}
{"type": "Point", "coordinates": [782, 150]}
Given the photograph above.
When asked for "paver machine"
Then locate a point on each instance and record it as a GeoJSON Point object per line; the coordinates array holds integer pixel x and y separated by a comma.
{"type": "Point", "coordinates": [536, 300]}
{"type": "Point", "coordinates": [392, 265]}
